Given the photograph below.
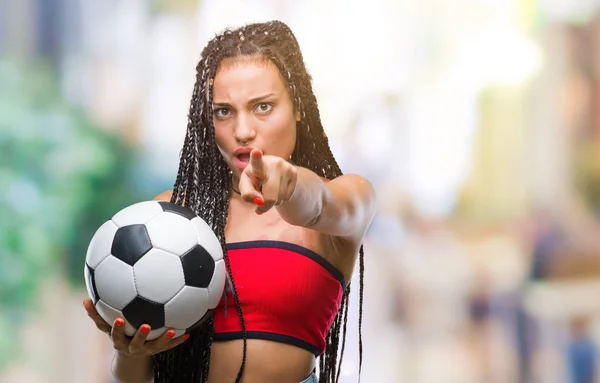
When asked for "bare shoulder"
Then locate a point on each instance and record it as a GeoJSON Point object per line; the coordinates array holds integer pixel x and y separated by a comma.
{"type": "Point", "coordinates": [356, 197]}
{"type": "Point", "coordinates": [164, 196]}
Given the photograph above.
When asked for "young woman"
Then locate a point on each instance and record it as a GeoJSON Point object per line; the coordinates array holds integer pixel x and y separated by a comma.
{"type": "Point", "coordinates": [257, 167]}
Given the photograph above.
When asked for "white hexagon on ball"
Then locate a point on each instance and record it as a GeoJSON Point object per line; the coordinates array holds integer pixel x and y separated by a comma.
{"type": "Point", "coordinates": [207, 238]}
{"type": "Point", "coordinates": [183, 310]}
{"type": "Point", "coordinates": [115, 282]}
{"type": "Point", "coordinates": [180, 237]}
{"type": "Point", "coordinates": [108, 313]}
{"type": "Point", "coordinates": [138, 213]}
{"type": "Point", "coordinates": [100, 245]}
{"type": "Point", "coordinates": [158, 276]}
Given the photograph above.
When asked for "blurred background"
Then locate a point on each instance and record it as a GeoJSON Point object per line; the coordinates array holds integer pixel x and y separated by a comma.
{"type": "Point", "coordinates": [478, 121]}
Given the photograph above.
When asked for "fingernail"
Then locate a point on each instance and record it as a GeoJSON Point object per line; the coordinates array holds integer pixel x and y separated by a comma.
{"type": "Point", "coordinates": [186, 336]}
{"type": "Point", "coordinates": [119, 322]}
{"type": "Point", "coordinates": [259, 212]}
{"type": "Point", "coordinates": [145, 329]}
{"type": "Point", "coordinates": [170, 334]}
{"type": "Point", "coordinates": [258, 201]}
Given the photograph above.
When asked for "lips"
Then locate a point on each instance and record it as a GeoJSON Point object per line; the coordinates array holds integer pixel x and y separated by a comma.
{"type": "Point", "coordinates": [244, 150]}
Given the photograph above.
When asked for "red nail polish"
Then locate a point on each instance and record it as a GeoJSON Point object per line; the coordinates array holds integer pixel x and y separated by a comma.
{"type": "Point", "coordinates": [119, 322]}
{"type": "Point", "coordinates": [186, 336]}
{"type": "Point", "coordinates": [145, 329]}
{"type": "Point", "coordinates": [258, 201]}
{"type": "Point", "coordinates": [170, 334]}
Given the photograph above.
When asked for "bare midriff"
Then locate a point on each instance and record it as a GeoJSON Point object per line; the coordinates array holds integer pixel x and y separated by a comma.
{"type": "Point", "coordinates": [266, 362]}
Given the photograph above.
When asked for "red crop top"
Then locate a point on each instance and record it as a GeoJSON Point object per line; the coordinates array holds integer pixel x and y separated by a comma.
{"type": "Point", "coordinates": [288, 294]}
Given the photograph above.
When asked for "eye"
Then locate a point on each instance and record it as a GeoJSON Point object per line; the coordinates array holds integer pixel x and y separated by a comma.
{"type": "Point", "coordinates": [222, 112]}
{"type": "Point", "coordinates": [264, 107]}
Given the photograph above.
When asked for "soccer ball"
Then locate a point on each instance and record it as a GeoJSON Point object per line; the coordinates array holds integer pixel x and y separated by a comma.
{"type": "Point", "coordinates": [155, 263]}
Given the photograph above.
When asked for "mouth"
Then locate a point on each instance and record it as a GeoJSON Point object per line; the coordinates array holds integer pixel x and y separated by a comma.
{"type": "Point", "coordinates": [241, 157]}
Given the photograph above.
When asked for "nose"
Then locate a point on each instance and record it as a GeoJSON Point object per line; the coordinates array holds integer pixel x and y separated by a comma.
{"type": "Point", "coordinates": [244, 130]}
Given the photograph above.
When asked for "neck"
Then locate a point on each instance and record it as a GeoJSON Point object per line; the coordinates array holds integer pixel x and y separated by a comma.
{"type": "Point", "coordinates": [235, 185]}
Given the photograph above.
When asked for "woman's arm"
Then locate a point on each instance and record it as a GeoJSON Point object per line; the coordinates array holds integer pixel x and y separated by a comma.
{"type": "Point", "coordinates": [132, 369]}
{"type": "Point", "coordinates": [343, 207]}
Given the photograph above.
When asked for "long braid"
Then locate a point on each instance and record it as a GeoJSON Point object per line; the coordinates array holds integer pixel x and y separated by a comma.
{"type": "Point", "coordinates": [203, 184]}
{"type": "Point", "coordinates": [222, 228]}
{"type": "Point", "coordinates": [345, 310]}
{"type": "Point", "coordinates": [361, 270]}
{"type": "Point", "coordinates": [180, 181]}
{"type": "Point", "coordinates": [194, 117]}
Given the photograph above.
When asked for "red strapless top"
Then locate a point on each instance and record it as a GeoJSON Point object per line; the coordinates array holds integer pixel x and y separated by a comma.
{"type": "Point", "coordinates": [288, 294]}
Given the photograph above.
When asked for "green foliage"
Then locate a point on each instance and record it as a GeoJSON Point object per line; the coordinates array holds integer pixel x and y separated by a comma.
{"type": "Point", "coordinates": [61, 177]}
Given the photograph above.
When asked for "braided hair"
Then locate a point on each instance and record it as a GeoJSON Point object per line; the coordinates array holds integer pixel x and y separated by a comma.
{"type": "Point", "coordinates": [203, 183]}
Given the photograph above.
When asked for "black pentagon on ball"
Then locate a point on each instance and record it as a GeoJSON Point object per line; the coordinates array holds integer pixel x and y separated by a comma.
{"type": "Point", "coordinates": [143, 311]}
{"type": "Point", "coordinates": [183, 211]}
{"type": "Point", "coordinates": [198, 267]}
{"type": "Point", "coordinates": [131, 243]}
{"type": "Point", "coordinates": [92, 284]}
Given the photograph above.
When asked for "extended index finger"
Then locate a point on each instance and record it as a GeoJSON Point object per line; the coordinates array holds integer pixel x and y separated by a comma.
{"type": "Point", "coordinates": [256, 162]}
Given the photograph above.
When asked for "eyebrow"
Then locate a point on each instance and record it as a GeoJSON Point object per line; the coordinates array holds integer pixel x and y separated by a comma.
{"type": "Point", "coordinates": [251, 101]}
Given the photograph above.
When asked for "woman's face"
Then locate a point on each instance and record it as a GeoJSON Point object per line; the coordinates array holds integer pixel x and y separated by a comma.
{"type": "Point", "coordinates": [252, 109]}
